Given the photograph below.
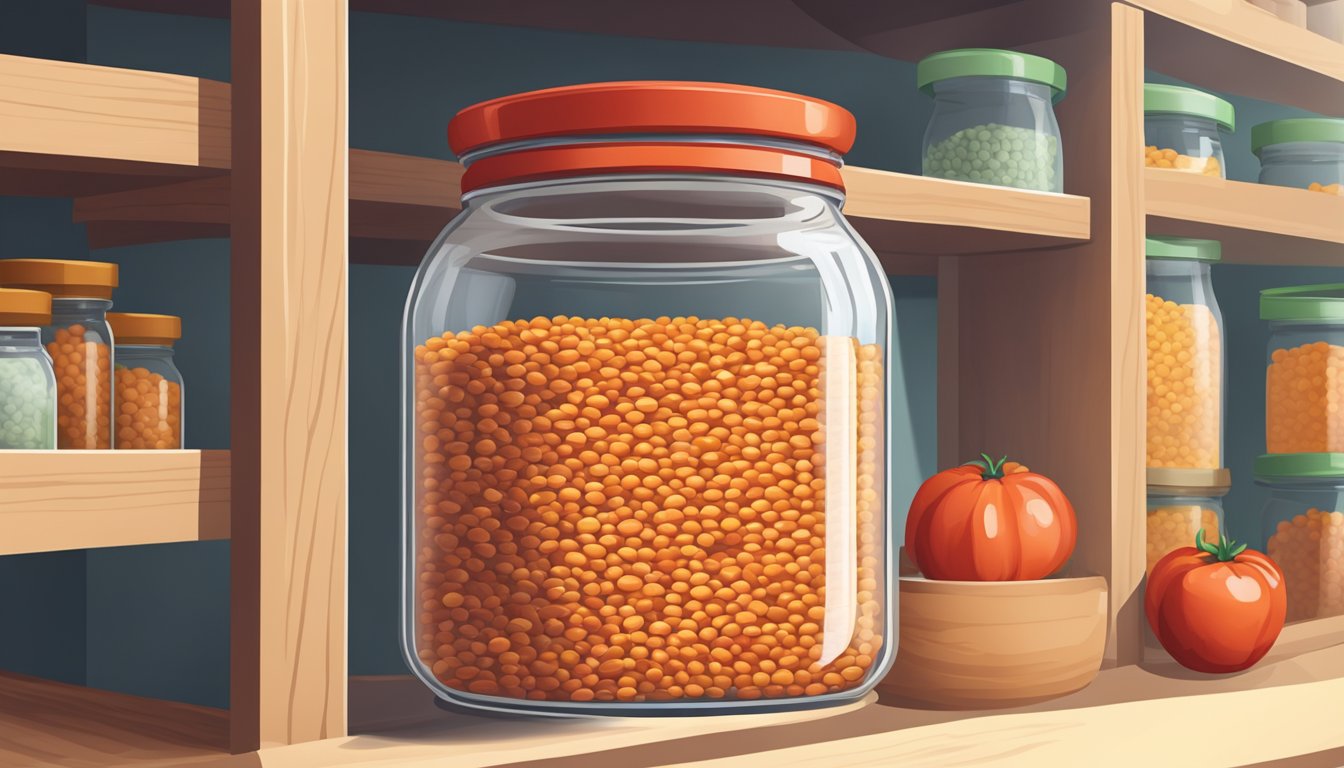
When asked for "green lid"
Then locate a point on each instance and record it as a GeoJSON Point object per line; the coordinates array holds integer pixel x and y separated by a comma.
{"type": "Point", "coordinates": [990, 62]}
{"type": "Point", "coordinates": [1182, 249]}
{"type": "Point", "coordinates": [1173, 99]}
{"type": "Point", "coordinates": [1290, 466]}
{"type": "Point", "coordinates": [1304, 303]}
{"type": "Point", "coordinates": [1297, 129]}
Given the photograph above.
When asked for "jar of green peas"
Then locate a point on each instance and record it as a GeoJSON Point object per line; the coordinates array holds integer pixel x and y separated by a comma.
{"type": "Point", "coordinates": [27, 384]}
{"type": "Point", "coordinates": [993, 118]}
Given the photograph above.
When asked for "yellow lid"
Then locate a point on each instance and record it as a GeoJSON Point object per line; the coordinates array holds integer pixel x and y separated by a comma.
{"type": "Point", "coordinates": [62, 278]}
{"type": "Point", "coordinates": [24, 308]}
{"type": "Point", "coordinates": [138, 328]}
{"type": "Point", "coordinates": [1166, 481]}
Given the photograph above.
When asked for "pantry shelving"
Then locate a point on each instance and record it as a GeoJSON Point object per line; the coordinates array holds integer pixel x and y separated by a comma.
{"type": "Point", "coordinates": [266, 159]}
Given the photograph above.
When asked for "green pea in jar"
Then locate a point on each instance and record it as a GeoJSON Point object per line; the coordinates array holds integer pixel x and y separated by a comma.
{"type": "Point", "coordinates": [27, 384]}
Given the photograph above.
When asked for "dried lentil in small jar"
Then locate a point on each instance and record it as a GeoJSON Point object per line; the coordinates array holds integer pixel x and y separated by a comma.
{"type": "Point", "coordinates": [27, 384]}
{"type": "Point", "coordinates": [78, 340]}
{"type": "Point", "coordinates": [149, 404]}
{"type": "Point", "coordinates": [1181, 503]}
{"type": "Point", "coordinates": [1304, 529]}
{"type": "Point", "coordinates": [645, 432]}
{"type": "Point", "coordinates": [1302, 152]}
{"type": "Point", "coordinates": [1181, 129]}
{"type": "Point", "coordinates": [1304, 379]}
{"type": "Point", "coordinates": [1185, 354]}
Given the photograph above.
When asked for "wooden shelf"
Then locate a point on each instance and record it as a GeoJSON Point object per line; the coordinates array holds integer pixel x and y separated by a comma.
{"type": "Point", "coordinates": [1257, 223]}
{"type": "Point", "coordinates": [57, 500]}
{"type": "Point", "coordinates": [49, 723]}
{"type": "Point", "coordinates": [1298, 638]}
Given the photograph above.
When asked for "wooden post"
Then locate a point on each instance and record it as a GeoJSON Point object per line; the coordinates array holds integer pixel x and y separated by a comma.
{"type": "Point", "coordinates": [289, 371]}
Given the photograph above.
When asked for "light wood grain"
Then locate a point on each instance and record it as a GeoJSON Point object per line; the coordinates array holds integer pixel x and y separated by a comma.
{"type": "Point", "coordinates": [987, 645]}
{"type": "Point", "coordinates": [56, 500]}
{"type": "Point", "coordinates": [44, 723]}
{"type": "Point", "coordinates": [289, 277]}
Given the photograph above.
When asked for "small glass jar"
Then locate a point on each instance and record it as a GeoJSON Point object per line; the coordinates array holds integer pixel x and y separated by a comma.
{"type": "Point", "coordinates": [1181, 503]}
{"type": "Point", "coordinates": [1304, 529]}
{"type": "Point", "coordinates": [27, 384]}
{"type": "Point", "coordinates": [1180, 129]}
{"type": "Point", "coordinates": [1304, 379]}
{"type": "Point", "coordinates": [993, 118]}
{"type": "Point", "coordinates": [149, 391]}
{"type": "Point", "coordinates": [1306, 152]}
{"type": "Point", "coordinates": [1185, 354]}
{"type": "Point", "coordinates": [79, 341]}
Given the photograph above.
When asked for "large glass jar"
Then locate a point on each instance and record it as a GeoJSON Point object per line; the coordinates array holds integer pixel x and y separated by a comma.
{"type": "Point", "coordinates": [1305, 152]}
{"type": "Point", "coordinates": [1185, 354]}
{"type": "Point", "coordinates": [1180, 129]}
{"type": "Point", "coordinates": [1181, 503]}
{"type": "Point", "coordinates": [79, 341]}
{"type": "Point", "coordinates": [1304, 529]}
{"type": "Point", "coordinates": [993, 118]}
{"type": "Point", "coordinates": [27, 385]}
{"type": "Point", "coordinates": [1304, 379]}
{"type": "Point", "coordinates": [645, 411]}
{"type": "Point", "coordinates": [149, 404]}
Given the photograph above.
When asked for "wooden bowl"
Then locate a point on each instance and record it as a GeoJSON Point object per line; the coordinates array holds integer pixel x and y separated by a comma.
{"type": "Point", "coordinates": [983, 645]}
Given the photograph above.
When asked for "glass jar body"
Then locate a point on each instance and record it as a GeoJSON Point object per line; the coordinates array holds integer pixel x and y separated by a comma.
{"type": "Point", "coordinates": [1304, 388]}
{"type": "Point", "coordinates": [149, 398]}
{"type": "Point", "coordinates": [1175, 520]}
{"type": "Point", "coordinates": [1183, 143]}
{"type": "Point", "coordinates": [994, 130]}
{"type": "Point", "coordinates": [27, 392]}
{"type": "Point", "coordinates": [645, 438]}
{"type": "Point", "coordinates": [1304, 534]}
{"type": "Point", "coordinates": [1314, 165]}
{"type": "Point", "coordinates": [1185, 366]}
{"type": "Point", "coordinates": [80, 344]}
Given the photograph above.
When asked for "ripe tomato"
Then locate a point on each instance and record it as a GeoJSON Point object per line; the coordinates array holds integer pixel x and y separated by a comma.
{"type": "Point", "coordinates": [1216, 608]}
{"type": "Point", "coordinates": [990, 521]}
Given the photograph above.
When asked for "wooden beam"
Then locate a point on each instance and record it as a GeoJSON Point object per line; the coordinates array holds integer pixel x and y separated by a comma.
{"type": "Point", "coordinates": [289, 279]}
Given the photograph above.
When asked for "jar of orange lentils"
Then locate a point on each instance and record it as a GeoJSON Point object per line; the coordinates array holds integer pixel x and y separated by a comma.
{"type": "Point", "coordinates": [1304, 381]}
{"type": "Point", "coordinates": [1181, 129]}
{"type": "Point", "coordinates": [1304, 529]}
{"type": "Point", "coordinates": [78, 340]}
{"type": "Point", "coordinates": [1185, 354]}
{"type": "Point", "coordinates": [1181, 503]}
{"type": "Point", "coordinates": [149, 404]}
{"type": "Point", "coordinates": [645, 410]}
{"type": "Point", "coordinates": [1302, 152]}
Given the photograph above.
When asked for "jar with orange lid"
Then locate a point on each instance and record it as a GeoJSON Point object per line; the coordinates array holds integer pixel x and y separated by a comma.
{"type": "Point", "coordinates": [1304, 529]}
{"type": "Point", "coordinates": [1304, 381]}
{"type": "Point", "coordinates": [645, 411]}
{"type": "Point", "coordinates": [1184, 329]}
{"type": "Point", "coordinates": [27, 384]}
{"type": "Point", "coordinates": [149, 388]}
{"type": "Point", "coordinates": [79, 341]}
{"type": "Point", "coordinates": [1181, 503]}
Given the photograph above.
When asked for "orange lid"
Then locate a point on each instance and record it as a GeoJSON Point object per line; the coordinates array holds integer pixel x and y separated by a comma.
{"type": "Point", "coordinates": [24, 308]}
{"type": "Point", "coordinates": [62, 278]}
{"type": "Point", "coordinates": [138, 328]}
{"type": "Point", "coordinates": [627, 111]}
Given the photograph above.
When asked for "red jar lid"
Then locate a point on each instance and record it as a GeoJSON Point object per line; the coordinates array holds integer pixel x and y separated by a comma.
{"type": "Point", "coordinates": [662, 109]}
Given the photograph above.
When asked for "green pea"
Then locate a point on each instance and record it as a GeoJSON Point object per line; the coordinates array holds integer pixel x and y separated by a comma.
{"type": "Point", "coordinates": [996, 154]}
{"type": "Point", "coordinates": [27, 405]}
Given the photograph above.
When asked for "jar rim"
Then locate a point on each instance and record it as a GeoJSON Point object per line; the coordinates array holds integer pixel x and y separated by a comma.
{"type": "Point", "coordinates": [1179, 100]}
{"type": "Point", "coordinates": [1297, 129]}
{"type": "Point", "coordinates": [1303, 303]}
{"type": "Point", "coordinates": [1272, 468]}
{"type": "Point", "coordinates": [990, 62]}
{"type": "Point", "coordinates": [1166, 248]}
{"type": "Point", "coordinates": [1193, 481]}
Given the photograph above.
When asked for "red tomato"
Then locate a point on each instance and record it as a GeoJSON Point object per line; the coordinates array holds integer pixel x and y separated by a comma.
{"type": "Point", "coordinates": [1216, 608]}
{"type": "Point", "coordinates": [990, 522]}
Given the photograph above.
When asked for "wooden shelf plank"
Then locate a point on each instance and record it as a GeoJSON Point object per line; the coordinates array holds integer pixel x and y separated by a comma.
{"type": "Point", "coordinates": [58, 500]}
{"type": "Point", "coordinates": [1235, 47]}
{"type": "Point", "coordinates": [48, 723]}
{"type": "Point", "coordinates": [1257, 223]}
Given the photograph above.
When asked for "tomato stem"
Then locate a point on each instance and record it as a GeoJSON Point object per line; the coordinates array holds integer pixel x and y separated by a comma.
{"type": "Point", "coordinates": [993, 469]}
{"type": "Point", "coordinates": [1225, 550]}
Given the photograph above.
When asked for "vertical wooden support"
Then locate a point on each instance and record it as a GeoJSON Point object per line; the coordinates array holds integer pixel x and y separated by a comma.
{"type": "Point", "coordinates": [1042, 353]}
{"type": "Point", "coordinates": [289, 371]}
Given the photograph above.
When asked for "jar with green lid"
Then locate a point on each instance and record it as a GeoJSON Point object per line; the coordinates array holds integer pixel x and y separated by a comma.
{"type": "Point", "coordinates": [1304, 529]}
{"type": "Point", "coordinates": [27, 384]}
{"type": "Point", "coordinates": [1181, 503]}
{"type": "Point", "coordinates": [1304, 382]}
{"type": "Point", "coordinates": [1180, 129]}
{"type": "Point", "coordinates": [993, 118]}
{"type": "Point", "coordinates": [1304, 152]}
{"type": "Point", "coordinates": [1184, 329]}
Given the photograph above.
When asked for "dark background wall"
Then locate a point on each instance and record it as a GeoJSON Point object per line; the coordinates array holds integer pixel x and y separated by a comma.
{"type": "Point", "coordinates": [154, 620]}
